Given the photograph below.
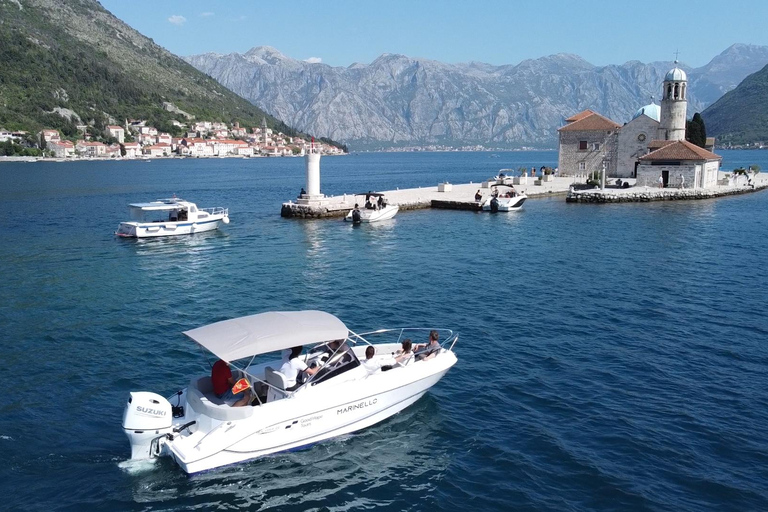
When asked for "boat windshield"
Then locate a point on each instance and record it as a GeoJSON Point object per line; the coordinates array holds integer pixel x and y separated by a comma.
{"type": "Point", "coordinates": [334, 357]}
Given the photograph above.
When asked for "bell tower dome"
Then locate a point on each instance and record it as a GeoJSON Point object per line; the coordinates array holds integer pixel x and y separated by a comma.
{"type": "Point", "coordinates": [674, 105]}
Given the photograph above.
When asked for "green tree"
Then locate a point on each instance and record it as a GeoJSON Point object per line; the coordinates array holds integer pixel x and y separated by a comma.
{"type": "Point", "coordinates": [695, 131]}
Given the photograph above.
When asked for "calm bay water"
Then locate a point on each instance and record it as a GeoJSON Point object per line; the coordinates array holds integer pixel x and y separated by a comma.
{"type": "Point", "coordinates": [611, 357]}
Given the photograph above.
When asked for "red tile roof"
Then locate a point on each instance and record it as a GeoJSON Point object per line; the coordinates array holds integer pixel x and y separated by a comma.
{"type": "Point", "coordinates": [580, 115]}
{"type": "Point", "coordinates": [680, 150]}
{"type": "Point", "coordinates": [590, 122]}
{"type": "Point", "coordinates": [656, 144]}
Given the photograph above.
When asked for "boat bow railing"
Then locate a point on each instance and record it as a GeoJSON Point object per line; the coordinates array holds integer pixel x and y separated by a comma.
{"type": "Point", "coordinates": [218, 210]}
{"type": "Point", "coordinates": [449, 337]}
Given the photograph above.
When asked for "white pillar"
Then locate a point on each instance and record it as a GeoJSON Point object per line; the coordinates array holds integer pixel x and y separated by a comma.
{"type": "Point", "coordinates": [313, 172]}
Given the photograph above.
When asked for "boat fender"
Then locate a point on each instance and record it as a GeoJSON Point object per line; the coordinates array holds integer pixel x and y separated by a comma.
{"type": "Point", "coordinates": [225, 220]}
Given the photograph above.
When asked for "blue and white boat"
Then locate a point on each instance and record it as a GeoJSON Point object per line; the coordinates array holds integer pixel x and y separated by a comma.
{"type": "Point", "coordinates": [173, 216]}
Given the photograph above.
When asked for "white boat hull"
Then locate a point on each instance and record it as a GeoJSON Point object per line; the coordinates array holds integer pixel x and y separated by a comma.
{"type": "Point", "coordinates": [313, 414]}
{"type": "Point", "coordinates": [506, 204]}
{"type": "Point", "coordinates": [385, 213]}
{"type": "Point", "coordinates": [152, 229]}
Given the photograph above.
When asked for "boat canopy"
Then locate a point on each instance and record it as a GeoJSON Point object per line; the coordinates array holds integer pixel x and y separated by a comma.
{"type": "Point", "coordinates": [161, 205]}
{"type": "Point", "coordinates": [252, 335]}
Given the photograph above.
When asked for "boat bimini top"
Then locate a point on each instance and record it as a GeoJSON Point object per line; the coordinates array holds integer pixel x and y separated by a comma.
{"type": "Point", "coordinates": [252, 335]}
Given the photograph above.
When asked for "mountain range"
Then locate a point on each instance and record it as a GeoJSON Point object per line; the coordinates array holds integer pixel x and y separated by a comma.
{"type": "Point", "coordinates": [400, 101]}
{"type": "Point", "coordinates": [741, 115]}
{"type": "Point", "coordinates": [70, 64]}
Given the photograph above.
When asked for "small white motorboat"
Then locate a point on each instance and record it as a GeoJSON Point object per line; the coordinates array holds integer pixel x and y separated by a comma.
{"type": "Point", "coordinates": [510, 202]}
{"type": "Point", "coordinates": [359, 215]}
{"type": "Point", "coordinates": [173, 216]}
{"type": "Point", "coordinates": [199, 431]}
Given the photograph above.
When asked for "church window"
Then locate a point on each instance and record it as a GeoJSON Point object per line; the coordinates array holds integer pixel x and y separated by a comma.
{"type": "Point", "coordinates": [582, 166]}
{"type": "Point", "coordinates": [582, 145]}
{"type": "Point", "coordinates": [682, 96]}
{"type": "Point", "coordinates": [641, 137]}
{"type": "Point", "coordinates": [677, 91]}
{"type": "Point", "coordinates": [669, 91]}
{"type": "Point", "coordinates": [596, 146]}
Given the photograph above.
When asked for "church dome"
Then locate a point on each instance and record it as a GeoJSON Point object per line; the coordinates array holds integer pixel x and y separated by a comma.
{"type": "Point", "coordinates": [652, 110]}
{"type": "Point", "coordinates": [676, 75]}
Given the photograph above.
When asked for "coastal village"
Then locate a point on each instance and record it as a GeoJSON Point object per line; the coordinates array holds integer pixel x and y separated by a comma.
{"type": "Point", "coordinates": [205, 139]}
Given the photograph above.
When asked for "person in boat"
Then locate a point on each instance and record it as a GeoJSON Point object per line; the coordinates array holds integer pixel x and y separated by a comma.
{"type": "Point", "coordinates": [371, 364]}
{"type": "Point", "coordinates": [478, 196]}
{"type": "Point", "coordinates": [222, 381]}
{"type": "Point", "coordinates": [356, 217]}
{"type": "Point", "coordinates": [381, 203]}
{"type": "Point", "coordinates": [428, 350]}
{"type": "Point", "coordinates": [512, 192]}
{"type": "Point", "coordinates": [295, 370]}
{"type": "Point", "coordinates": [405, 353]}
{"type": "Point", "coordinates": [338, 352]}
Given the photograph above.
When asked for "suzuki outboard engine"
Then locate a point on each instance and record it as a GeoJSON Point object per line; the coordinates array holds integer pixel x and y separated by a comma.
{"type": "Point", "coordinates": [494, 205]}
{"type": "Point", "coordinates": [147, 417]}
{"type": "Point", "coordinates": [356, 217]}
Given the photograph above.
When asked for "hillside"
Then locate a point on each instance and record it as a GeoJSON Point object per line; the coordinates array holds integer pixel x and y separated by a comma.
{"type": "Point", "coordinates": [741, 116]}
{"type": "Point", "coordinates": [60, 58]}
{"type": "Point", "coordinates": [400, 101]}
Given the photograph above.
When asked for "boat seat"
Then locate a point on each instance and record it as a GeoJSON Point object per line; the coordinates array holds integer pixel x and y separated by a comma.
{"type": "Point", "coordinates": [201, 398]}
{"type": "Point", "coordinates": [275, 380]}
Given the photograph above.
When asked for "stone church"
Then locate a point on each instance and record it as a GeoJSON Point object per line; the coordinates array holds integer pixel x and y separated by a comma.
{"type": "Point", "coordinates": [650, 146]}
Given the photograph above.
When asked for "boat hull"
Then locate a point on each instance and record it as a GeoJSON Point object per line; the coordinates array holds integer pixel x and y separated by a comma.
{"type": "Point", "coordinates": [506, 204]}
{"type": "Point", "coordinates": [366, 216]}
{"type": "Point", "coordinates": [316, 414]}
{"type": "Point", "coordinates": [154, 229]}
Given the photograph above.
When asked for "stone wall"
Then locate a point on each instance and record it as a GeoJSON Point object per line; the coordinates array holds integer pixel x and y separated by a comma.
{"type": "Point", "coordinates": [643, 194]}
{"type": "Point", "coordinates": [634, 138]}
{"type": "Point", "coordinates": [570, 155]}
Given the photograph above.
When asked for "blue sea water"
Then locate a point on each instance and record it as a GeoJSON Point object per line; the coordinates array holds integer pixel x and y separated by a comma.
{"type": "Point", "coordinates": [611, 357]}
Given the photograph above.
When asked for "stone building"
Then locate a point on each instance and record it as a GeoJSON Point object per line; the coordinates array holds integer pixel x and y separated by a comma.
{"type": "Point", "coordinates": [679, 164]}
{"type": "Point", "coordinates": [588, 141]}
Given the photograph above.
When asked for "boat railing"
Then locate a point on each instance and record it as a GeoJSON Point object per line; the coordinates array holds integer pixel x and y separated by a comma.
{"type": "Point", "coordinates": [218, 210]}
{"type": "Point", "coordinates": [449, 337]}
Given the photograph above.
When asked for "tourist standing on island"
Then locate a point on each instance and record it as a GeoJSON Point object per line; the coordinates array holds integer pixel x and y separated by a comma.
{"type": "Point", "coordinates": [661, 181]}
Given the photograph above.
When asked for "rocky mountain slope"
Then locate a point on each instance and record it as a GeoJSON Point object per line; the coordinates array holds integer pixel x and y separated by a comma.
{"type": "Point", "coordinates": [741, 115]}
{"type": "Point", "coordinates": [66, 63]}
{"type": "Point", "coordinates": [398, 100]}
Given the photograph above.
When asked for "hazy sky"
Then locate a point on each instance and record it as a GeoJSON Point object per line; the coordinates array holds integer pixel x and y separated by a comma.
{"type": "Point", "coordinates": [341, 32]}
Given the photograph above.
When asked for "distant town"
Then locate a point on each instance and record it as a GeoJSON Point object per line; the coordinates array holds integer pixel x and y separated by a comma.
{"type": "Point", "coordinates": [136, 139]}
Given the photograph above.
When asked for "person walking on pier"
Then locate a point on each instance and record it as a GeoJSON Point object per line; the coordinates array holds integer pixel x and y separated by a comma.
{"type": "Point", "coordinates": [661, 181]}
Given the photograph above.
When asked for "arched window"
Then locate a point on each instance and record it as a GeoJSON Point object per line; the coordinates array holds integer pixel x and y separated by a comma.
{"type": "Point", "coordinates": [677, 91]}
{"type": "Point", "coordinates": [683, 90]}
{"type": "Point", "coordinates": [669, 92]}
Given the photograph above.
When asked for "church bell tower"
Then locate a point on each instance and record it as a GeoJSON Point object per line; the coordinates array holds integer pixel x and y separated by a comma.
{"type": "Point", "coordinates": [673, 105]}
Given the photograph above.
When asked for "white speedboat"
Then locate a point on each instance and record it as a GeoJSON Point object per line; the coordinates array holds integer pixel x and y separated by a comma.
{"type": "Point", "coordinates": [172, 216]}
{"type": "Point", "coordinates": [359, 215]}
{"type": "Point", "coordinates": [510, 202]}
{"type": "Point", "coordinates": [201, 432]}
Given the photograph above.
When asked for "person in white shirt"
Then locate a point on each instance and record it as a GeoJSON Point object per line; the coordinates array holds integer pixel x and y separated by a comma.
{"type": "Point", "coordinates": [294, 367]}
{"type": "Point", "coordinates": [373, 365]}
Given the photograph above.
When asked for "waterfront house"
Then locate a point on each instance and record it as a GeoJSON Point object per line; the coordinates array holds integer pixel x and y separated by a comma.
{"type": "Point", "coordinates": [50, 135]}
{"type": "Point", "coordinates": [132, 149]}
{"type": "Point", "coordinates": [158, 150]}
{"type": "Point", "coordinates": [116, 132]}
{"type": "Point", "coordinates": [62, 148]}
{"type": "Point", "coordinates": [90, 149]}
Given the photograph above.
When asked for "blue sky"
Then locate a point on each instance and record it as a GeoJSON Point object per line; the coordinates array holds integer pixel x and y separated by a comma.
{"type": "Point", "coordinates": [342, 32]}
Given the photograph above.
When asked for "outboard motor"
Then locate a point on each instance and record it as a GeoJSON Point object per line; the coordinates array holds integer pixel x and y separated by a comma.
{"type": "Point", "coordinates": [356, 217]}
{"type": "Point", "coordinates": [494, 205]}
{"type": "Point", "coordinates": [147, 416]}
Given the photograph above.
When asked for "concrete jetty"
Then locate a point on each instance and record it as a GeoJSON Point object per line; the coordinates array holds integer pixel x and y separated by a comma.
{"type": "Point", "coordinates": [444, 195]}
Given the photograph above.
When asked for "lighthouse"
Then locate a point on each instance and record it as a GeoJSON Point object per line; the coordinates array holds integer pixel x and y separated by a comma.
{"type": "Point", "coordinates": [311, 194]}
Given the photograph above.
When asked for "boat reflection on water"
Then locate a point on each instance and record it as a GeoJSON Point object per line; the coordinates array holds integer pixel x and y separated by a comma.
{"type": "Point", "coordinates": [395, 461]}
